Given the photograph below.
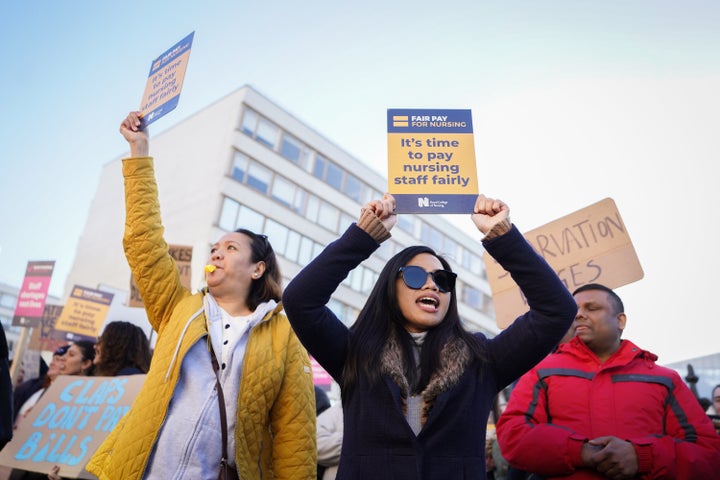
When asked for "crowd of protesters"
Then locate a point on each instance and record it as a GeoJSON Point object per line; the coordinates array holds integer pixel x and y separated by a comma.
{"type": "Point", "coordinates": [229, 391]}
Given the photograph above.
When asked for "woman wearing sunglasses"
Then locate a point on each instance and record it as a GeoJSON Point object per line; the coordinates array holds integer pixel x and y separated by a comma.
{"type": "Point", "coordinates": [417, 387]}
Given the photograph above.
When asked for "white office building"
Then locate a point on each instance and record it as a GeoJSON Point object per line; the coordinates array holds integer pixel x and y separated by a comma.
{"type": "Point", "coordinates": [244, 162]}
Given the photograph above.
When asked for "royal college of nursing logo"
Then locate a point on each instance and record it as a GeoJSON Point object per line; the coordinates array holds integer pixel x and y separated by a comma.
{"type": "Point", "coordinates": [425, 202]}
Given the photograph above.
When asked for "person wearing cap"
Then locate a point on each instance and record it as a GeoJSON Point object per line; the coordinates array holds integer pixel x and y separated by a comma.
{"type": "Point", "coordinates": [416, 386]}
{"type": "Point", "coordinates": [600, 407]}
{"type": "Point", "coordinates": [224, 353]}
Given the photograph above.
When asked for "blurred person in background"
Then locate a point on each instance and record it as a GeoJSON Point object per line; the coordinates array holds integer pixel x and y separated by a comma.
{"type": "Point", "coordinates": [713, 410]}
{"type": "Point", "coordinates": [329, 441]}
{"type": "Point", "coordinates": [72, 359]}
{"type": "Point", "coordinates": [122, 349]}
{"type": "Point", "coordinates": [32, 386]}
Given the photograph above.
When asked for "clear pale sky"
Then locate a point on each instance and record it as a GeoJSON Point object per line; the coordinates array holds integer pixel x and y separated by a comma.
{"type": "Point", "coordinates": [573, 101]}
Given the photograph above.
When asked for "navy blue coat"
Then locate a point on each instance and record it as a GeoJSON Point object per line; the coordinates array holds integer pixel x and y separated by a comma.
{"type": "Point", "coordinates": [6, 393]}
{"type": "Point", "coordinates": [378, 442]}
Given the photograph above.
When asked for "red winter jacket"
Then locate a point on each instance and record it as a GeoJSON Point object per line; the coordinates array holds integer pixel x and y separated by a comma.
{"type": "Point", "coordinates": [570, 397]}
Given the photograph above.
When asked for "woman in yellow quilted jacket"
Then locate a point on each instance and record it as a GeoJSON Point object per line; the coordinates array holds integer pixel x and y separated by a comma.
{"type": "Point", "coordinates": [173, 429]}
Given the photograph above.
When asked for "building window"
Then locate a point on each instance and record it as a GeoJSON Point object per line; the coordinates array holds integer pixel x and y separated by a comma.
{"type": "Point", "coordinates": [259, 177]}
{"type": "Point", "coordinates": [228, 214]}
{"type": "Point", "coordinates": [339, 309]}
{"type": "Point", "coordinates": [306, 250]}
{"type": "Point", "coordinates": [317, 249]}
{"type": "Point", "coordinates": [234, 215]}
{"type": "Point", "coordinates": [488, 306]}
{"type": "Point", "coordinates": [473, 297]}
{"type": "Point", "coordinates": [406, 223]}
{"type": "Point", "coordinates": [240, 166]}
{"type": "Point", "coordinates": [369, 279]}
{"type": "Point", "coordinates": [334, 176]}
{"type": "Point", "coordinates": [385, 250]}
{"type": "Point", "coordinates": [267, 133]}
{"type": "Point", "coordinates": [319, 167]}
{"type": "Point", "coordinates": [313, 207]}
{"type": "Point", "coordinates": [299, 200]}
{"type": "Point", "coordinates": [345, 221]}
{"type": "Point", "coordinates": [249, 219]}
{"type": "Point", "coordinates": [293, 246]}
{"type": "Point", "coordinates": [8, 300]}
{"type": "Point", "coordinates": [473, 263]}
{"type": "Point", "coordinates": [328, 216]}
{"type": "Point", "coordinates": [450, 248]}
{"type": "Point", "coordinates": [249, 122]}
{"type": "Point", "coordinates": [283, 191]}
{"type": "Point", "coordinates": [354, 279]}
{"type": "Point", "coordinates": [277, 234]}
{"type": "Point", "coordinates": [294, 150]}
{"type": "Point", "coordinates": [354, 188]}
{"type": "Point", "coordinates": [431, 237]}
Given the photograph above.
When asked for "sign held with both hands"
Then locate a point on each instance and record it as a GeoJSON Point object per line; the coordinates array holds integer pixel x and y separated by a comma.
{"type": "Point", "coordinates": [431, 161]}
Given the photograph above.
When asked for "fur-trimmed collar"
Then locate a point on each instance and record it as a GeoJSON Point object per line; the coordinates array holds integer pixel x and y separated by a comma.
{"type": "Point", "coordinates": [454, 359]}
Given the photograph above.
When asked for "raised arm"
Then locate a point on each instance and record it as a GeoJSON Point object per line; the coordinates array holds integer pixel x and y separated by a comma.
{"type": "Point", "coordinates": [147, 253]}
{"type": "Point", "coordinates": [306, 296]}
{"type": "Point", "coordinates": [552, 309]}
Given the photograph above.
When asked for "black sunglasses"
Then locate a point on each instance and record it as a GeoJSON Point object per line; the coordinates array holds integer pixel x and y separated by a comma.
{"type": "Point", "coordinates": [61, 351]}
{"type": "Point", "coordinates": [415, 277]}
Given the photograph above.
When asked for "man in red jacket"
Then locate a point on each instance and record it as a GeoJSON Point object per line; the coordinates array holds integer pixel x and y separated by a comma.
{"type": "Point", "coordinates": [600, 407]}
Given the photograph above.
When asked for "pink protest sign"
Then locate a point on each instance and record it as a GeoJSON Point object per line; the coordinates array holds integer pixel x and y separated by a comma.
{"type": "Point", "coordinates": [320, 376]}
{"type": "Point", "coordinates": [31, 300]}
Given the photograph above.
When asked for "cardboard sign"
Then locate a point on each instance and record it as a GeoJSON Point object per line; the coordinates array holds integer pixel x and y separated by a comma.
{"type": "Point", "coordinates": [431, 161]}
{"type": "Point", "coordinates": [33, 293]}
{"type": "Point", "coordinates": [182, 255]}
{"type": "Point", "coordinates": [164, 83]}
{"type": "Point", "coordinates": [69, 423]}
{"type": "Point", "coordinates": [591, 245]}
{"type": "Point", "coordinates": [44, 337]}
{"type": "Point", "coordinates": [83, 314]}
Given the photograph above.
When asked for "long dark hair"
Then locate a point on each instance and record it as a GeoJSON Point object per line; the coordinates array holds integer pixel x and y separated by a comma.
{"type": "Point", "coordinates": [87, 347]}
{"type": "Point", "coordinates": [123, 345]}
{"type": "Point", "coordinates": [268, 286]}
{"type": "Point", "coordinates": [381, 318]}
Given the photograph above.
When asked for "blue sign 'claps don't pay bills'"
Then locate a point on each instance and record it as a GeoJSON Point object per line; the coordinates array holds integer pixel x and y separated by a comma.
{"type": "Point", "coordinates": [69, 422]}
{"type": "Point", "coordinates": [431, 160]}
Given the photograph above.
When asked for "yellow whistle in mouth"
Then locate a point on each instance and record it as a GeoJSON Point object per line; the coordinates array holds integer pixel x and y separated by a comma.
{"type": "Point", "coordinates": [210, 268]}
